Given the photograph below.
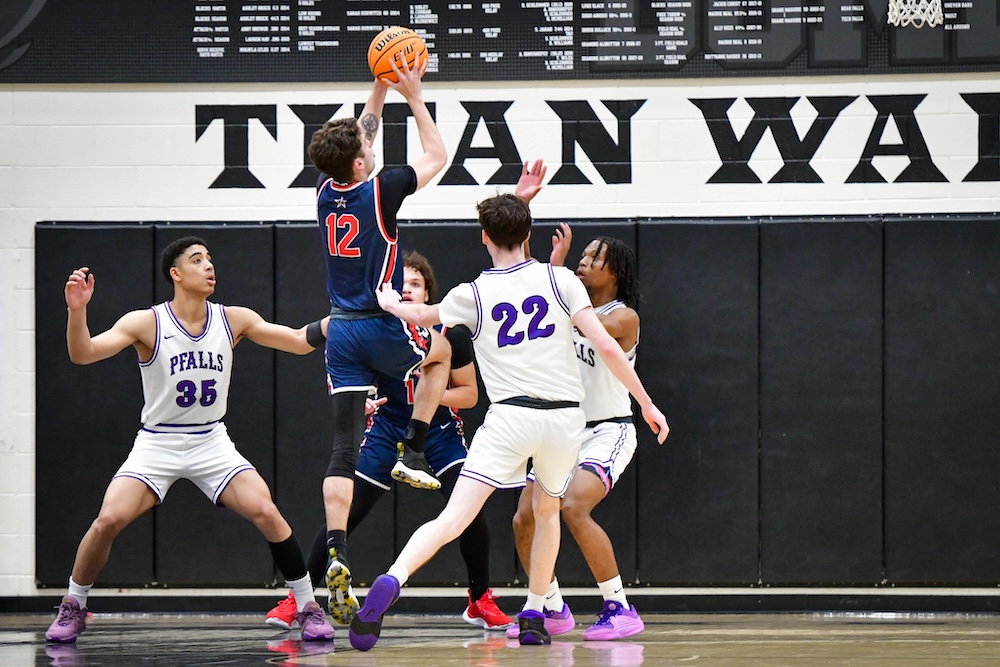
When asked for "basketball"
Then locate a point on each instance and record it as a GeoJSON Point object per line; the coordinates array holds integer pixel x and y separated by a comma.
{"type": "Point", "coordinates": [388, 44]}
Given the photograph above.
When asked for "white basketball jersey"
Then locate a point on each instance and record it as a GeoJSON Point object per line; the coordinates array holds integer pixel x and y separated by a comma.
{"type": "Point", "coordinates": [606, 396]}
{"type": "Point", "coordinates": [521, 329]}
{"type": "Point", "coordinates": [186, 382]}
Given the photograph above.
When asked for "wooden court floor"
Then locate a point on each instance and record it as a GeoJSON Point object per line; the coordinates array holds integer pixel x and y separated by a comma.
{"type": "Point", "coordinates": [723, 640]}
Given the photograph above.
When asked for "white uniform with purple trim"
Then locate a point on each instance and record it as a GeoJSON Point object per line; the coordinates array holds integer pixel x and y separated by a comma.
{"type": "Point", "coordinates": [610, 443]}
{"type": "Point", "coordinates": [186, 388]}
{"type": "Point", "coordinates": [520, 318]}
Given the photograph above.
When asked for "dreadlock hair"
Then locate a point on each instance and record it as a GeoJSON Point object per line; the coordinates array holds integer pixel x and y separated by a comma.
{"type": "Point", "coordinates": [620, 261]}
{"type": "Point", "coordinates": [334, 147]}
{"type": "Point", "coordinates": [419, 263]}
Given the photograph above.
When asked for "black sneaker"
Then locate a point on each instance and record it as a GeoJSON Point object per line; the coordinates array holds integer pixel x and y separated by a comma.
{"type": "Point", "coordinates": [531, 625]}
{"type": "Point", "coordinates": [412, 468]}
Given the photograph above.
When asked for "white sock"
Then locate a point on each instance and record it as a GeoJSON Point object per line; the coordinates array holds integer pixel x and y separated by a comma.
{"type": "Point", "coordinates": [79, 592]}
{"type": "Point", "coordinates": [399, 573]}
{"type": "Point", "coordinates": [553, 597]}
{"type": "Point", "coordinates": [534, 602]}
{"type": "Point", "coordinates": [302, 589]}
{"type": "Point", "coordinates": [613, 589]}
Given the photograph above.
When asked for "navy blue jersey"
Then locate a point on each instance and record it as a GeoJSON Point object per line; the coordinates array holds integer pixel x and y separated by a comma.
{"type": "Point", "coordinates": [399, 406]}
{"type": "Point", "coordinates": [357, 223]}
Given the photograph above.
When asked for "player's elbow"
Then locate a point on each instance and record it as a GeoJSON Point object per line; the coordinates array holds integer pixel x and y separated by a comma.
{"type": "Point", "coordinates": [437, 158]}
{"type": "Point", "coordinates": [607, 347]}
{"type": "Point", "coordinates": [80, 355]}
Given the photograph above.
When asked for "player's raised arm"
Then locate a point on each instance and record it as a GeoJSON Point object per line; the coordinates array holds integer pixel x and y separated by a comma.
{"type": "Point", "coordinates": [434, 157]}
{"type": "Point", "coordinates": [371, 115]}
{"type": "Point", "coordinates": [83, 348]}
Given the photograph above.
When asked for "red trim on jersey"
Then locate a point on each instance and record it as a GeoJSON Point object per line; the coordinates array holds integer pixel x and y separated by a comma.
{"type": "Point", "coordinates": [378, 212]}
{"type": "Point", "coordinates": [389, 265]}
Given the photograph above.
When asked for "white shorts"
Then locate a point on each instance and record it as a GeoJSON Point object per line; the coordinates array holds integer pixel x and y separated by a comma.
{"type": "Point", "coordinates": [510, 435]}
{"type": "Point", "coordinates": [609, 447]}
{"type": "Point", "coordinates": [210, 460]}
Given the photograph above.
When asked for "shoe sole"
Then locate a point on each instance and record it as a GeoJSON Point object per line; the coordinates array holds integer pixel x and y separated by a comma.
{"type": "Point", "coordinates": [367, 624]}
{"type": "Point", "coordinates": [325, 636]}
{"type": "Point", "coordinates": [534, 638]}
{"type": "Point", "coordinates": [342, 604]}
{"type": "Point", "coordinates": [278, 623]}
{"type": "Point", "coordinates": [483, 623]}
{"type": "Point", "coordinates": [415, 478]}
{"type": "Point", "coordinates": [605, 635]}
{"type": "Point", "coordinates": [554, 627]}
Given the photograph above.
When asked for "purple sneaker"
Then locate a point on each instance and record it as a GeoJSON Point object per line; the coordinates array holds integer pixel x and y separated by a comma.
{"type": "Point", "coordinates": [312, 620]}
{"type": "Point", "coordinates": [70, 622]}
{"type": "Point", "coordinates": [616, 622]}
{"type": "Point", "coordinates": [556, 623]}
{"type": "Point", "coordinates": [367, 623]}
{"type": "Point", "coordinates": [531, 628]}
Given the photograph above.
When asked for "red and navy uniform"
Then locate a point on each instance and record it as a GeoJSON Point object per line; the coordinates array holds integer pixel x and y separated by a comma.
{"type": "Point", "coordinates": [357, 224]}
{"type": "Point", "coordinates": [446, 445]}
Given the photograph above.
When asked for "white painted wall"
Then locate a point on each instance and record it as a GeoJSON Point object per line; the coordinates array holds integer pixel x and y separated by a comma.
{"type": "Point", "coordinates": [129, 153]}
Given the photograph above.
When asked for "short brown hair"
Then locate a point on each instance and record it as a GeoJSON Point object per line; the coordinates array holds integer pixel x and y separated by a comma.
{"type": "Point", "coordinates": [506, 219]}
{"type": "Point", "coordinates": [419, 263]}
{"type": "Point", "coordinates": [335, 146]}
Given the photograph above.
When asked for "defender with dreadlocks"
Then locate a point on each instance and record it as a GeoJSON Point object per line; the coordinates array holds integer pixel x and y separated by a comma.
{"type": "Point", "coordinates": [608, 271]}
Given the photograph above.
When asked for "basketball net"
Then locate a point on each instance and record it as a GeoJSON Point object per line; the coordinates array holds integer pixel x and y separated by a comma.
{"type": "Point", "coordinates": [916, 13]}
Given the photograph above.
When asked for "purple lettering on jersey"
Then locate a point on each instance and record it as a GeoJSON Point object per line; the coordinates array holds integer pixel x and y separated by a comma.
{"type": "Point", "coordinates": [507, 314]}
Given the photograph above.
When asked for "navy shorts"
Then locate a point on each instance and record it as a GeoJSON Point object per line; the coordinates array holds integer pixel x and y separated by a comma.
{"type": "Point", "coordinates": [358, 350]}
{"type": "Point", "coordinates": [446, 448]}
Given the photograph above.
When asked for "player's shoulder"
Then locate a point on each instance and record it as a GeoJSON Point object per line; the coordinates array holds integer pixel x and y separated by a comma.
{"type": "Point", "coordinates": [238, 317]}
{"type": "Point", "coordinates": [137, 322]}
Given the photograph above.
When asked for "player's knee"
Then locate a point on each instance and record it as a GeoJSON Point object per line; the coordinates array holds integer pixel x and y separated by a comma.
{"type": "Point", "coordinates": [523, 521]}
{"type": "Point", "coordinates": [440, 349]}
{"type": "Point", "coordinates": [574, 512]}
{"type": "Point", "coordinates": [343, 462]}
{"type": "Point", "coordinates": [266, 515]}
{"type": "Point", "coordinates": [109, 523]}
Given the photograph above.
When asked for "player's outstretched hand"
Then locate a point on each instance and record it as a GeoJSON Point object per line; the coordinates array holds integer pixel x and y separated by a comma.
{"type": "Point", "coordinates": [409, 79]}
{"type": "Point", "coordinates": [530, 182]}
{"type": "Point", "coordinates": [657, 422]}
{"type": "Point", "coordinates": [79, 288]}
{"type": "Point", "coordinates": [387, 297]}
{"type": "Point", "coordinates": [561, 240]}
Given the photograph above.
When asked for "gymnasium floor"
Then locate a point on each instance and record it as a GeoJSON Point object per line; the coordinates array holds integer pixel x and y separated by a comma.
{"type": "Point", "coordinates": [722, 640]}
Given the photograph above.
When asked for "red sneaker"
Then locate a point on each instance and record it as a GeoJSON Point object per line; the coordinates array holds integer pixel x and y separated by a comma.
{"type": "Point", "coordinates": [485, 613]}
{"type": "Point", "coordinates": [283, 616]}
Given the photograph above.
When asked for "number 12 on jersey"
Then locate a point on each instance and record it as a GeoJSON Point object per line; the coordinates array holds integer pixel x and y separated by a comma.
{"type": "Point", "coordinates": [339, 242]}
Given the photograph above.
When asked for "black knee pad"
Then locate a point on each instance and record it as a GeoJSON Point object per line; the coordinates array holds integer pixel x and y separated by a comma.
{"type": "Point", "coordinates": [343, 462]}
{"type": "Point", "coordinates": [349, 421]}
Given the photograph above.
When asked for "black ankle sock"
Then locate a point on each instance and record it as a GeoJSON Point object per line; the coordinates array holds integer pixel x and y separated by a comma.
{"type": "Point", "coordinates": [288, 557]}
{"type": "Point", "coordinates": [415, 436]}
{"type": "Point", "coordinates": [337, 539]}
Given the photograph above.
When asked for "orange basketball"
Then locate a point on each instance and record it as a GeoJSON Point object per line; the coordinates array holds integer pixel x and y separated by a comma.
{"type": "Point", "coordinates": [387, 46]}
